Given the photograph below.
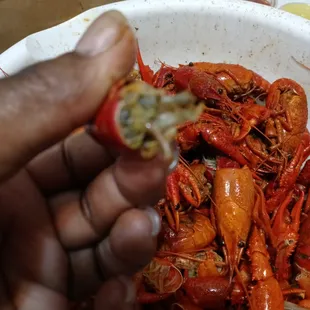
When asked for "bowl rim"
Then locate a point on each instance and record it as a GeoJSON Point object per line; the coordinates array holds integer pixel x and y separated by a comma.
{"type": "Point", "coordinates": [270, 15]}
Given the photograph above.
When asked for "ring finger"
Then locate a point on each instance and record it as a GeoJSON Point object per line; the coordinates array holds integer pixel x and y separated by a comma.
{"type": "Point", "coordinates": [129, 247]}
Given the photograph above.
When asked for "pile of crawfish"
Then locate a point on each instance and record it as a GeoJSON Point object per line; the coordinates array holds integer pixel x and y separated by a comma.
{"type": "Point", "coordinates": [235, 225]}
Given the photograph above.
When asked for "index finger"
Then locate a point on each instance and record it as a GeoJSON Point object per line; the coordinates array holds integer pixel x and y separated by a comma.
{"type": "Point", "coordinates": [69, 164]}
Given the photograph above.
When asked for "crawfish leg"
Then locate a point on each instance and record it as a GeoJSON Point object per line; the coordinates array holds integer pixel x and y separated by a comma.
{"type": "Point", "coordinates": [307, 203]}
{"type": "Point", "coordinates": [260, 214]}
{"type": "Point", "coordinates": [189, 187]}
{"type": "Point", "coordinates": [259, 152]}
{"type": "Point", "coordinates": [289, 176]}
{"type": "Point", "coordinates": [173, 217]}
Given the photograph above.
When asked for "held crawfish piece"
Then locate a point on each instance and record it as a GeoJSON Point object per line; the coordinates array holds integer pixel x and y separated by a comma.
{"type": "Point", "coordinates": [234, 196]}
{"type": "Point", "coordinates": [137, 117]}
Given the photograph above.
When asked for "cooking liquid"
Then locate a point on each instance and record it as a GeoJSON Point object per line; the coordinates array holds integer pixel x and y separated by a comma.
{"type": "Point", "coordinates": [300, 9]}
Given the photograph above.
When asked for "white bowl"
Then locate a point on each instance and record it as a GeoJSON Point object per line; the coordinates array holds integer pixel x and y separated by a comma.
{"type": "Point", "coordinates": [178, 31]}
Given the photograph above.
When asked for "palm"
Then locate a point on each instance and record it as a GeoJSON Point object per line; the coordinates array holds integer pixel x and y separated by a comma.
{"type": "Point", "coordinates": [34, 266]}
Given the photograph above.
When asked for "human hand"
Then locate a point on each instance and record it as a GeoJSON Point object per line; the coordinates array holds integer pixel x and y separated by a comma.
{"type": "Point", "coordinates": [70, 220]}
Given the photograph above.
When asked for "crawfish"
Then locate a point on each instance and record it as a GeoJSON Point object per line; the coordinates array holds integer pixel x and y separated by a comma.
{"type": "Point", "coordinates": [302, 260]}
{"type": "Point", "coordinates": [288, 102]}
{"type": "Point", "coordinates": [204, 288]}
{"type": "Point", "coordinates": [207, 292]}
{"type": "Point", "coordinates": [236, 79]}
{"type": "Point", "coordinates": [137, 117]}
{"type": "Point", "coordinates": [162, 276]}
{"type": "Point", "coordinates": [287, 180]}
{"type": "Point", "coordinates": [266, 293]}
{"type": "Point", "coordinates": [185, 77]}
{"type": "Point", "coordinates": [250, 115]}
{"type": "Point", "coordinates": [304, 176]}
{"type": "Point", "coordinates": [196, 233]}
{"type": "Point", "coordinates": [284, 130]}
{"type": "Point", "coordinates": [183, 303]}
{"type": "Point", "coordinates": [203, 263]}
{"type": "Point", "coordinates": [187, 182]}
{"type": "Point", "coordinates": [234, 195]}
{"type": "Point", "coordinates": [286, 234]}
{"type": "Point", "coordinates": [199, 83]}
{"type": "Point", "coordinates": [214, 131]}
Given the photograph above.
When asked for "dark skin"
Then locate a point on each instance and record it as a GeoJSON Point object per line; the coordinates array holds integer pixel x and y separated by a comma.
{"type": "Point", "coordinates": [73, 216]}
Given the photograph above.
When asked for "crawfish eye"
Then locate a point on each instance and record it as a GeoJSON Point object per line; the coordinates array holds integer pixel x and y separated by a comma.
{"type": "Point", "coordinates": [303, 256]}
{"type": "Point", "coordinates": [290, 242]}
{"type": "Point", "coordinates": [169, 75]}
{"type": "Point", "coordinates": [222, 242]}
{"type": "Point", "coordinates": [220, 91]}
{"type": "Point", "coordinates": [190, 64]}
{"type": "Point", "coordinates": [241, 244]}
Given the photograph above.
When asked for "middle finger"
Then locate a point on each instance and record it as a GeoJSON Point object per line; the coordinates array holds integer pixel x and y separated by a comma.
{"type": "Point", "coordinates": [82, 218]}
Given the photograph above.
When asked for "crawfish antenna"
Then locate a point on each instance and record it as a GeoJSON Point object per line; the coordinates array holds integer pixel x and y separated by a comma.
{"type": "Point", "coordinates": [243, 286]}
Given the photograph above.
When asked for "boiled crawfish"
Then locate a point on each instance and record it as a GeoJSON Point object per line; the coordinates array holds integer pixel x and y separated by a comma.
{"type": "Point", "coordinates": [245, 138]}
{"type": "Point", "coordinates": [266, 293]}
{"type": "Point", "coordinates": [288, 103]}
{"type": "Point", "coordinates": [186, 186]}
{"type": "Point", "coordinates": [233, 196]}
{"type": "Point", "coordinates": [196, 233]}
{"type": "Point", "coordinates": [162, 276]}
{"type": "Point", "coordinates": [302, 261]}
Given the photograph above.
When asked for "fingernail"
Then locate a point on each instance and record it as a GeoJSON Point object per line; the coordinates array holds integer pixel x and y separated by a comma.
{"type": "Point", "coordinates": [104, 33]}
{"type": "Point", "coordinates": [174, 161]}
{"type": "Point", "coordinates": [155, 220]}
{"type": "Point", "coordinates": [130, 296]}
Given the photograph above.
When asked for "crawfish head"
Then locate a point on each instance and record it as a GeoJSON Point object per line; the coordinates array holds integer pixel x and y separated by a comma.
{"type": "Point", "coordinates": [233, 203]}
{"type": "Point", "coordinates": [236, 79]}
{"type": "Point", "coordinates": [137, 116]}
{"type": "Point", "coordinates": [164, 77]}
{"type": "Point", "coordinates": [203, 85]}
{"type": "Point", "coordinates": [196, 232]}
{"type": "Point", "coordinates": [163, 276]}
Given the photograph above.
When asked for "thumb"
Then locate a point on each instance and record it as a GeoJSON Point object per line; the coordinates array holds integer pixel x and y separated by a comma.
{"type": "Point", "coordinates": [42, 104]}
{"type": "Point", "coordinates": [117, 294]}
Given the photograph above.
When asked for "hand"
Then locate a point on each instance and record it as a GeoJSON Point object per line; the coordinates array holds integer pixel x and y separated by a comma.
{"type": "Point", "coordinates": [70, 220]}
